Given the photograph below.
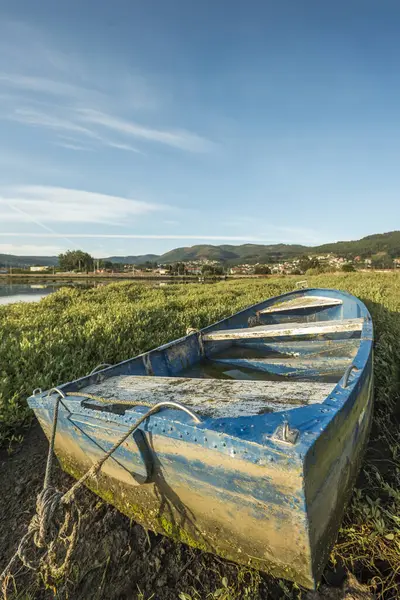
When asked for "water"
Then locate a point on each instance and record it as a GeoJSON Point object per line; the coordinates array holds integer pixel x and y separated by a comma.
{"type": "Point", "coordinates": [233, 368]}
{"type": "Point", "coordinates": [14, 291]}
{"type": "Point", "coordinates": [11, 292]}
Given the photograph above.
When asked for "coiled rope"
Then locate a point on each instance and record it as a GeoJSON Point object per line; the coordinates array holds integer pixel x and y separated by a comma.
{"type": "Point", "coordinates": [48, 526]}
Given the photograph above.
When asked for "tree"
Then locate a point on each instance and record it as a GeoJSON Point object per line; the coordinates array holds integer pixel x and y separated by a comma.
{"type": "Point", "coordinates": [146, 266]}
{"type": "Point", "coordinates": [117, 267]}
{"type": "Point", "coordinates": [177, 268]}
{"type": "Point", "coordinates": [212, 270]}
{"type": "Point", "coordinates": [316, 270]}
{"type": "Point", "coordinates": [262, 270]}
{"type": "Point", "coordinates": [382, 260]}
{"type": "Point", "coordinates": [75, 260]}
{"type": "Point", "coordinates": [348, 268]}
{"type": "Point", "coordinates": [106, 264]}
{"type": "Point", "coordinates": [306, 263]}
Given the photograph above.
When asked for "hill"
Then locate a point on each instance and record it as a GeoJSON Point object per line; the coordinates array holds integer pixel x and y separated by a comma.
{"type": "Point", "coordinates": [371, 244]}
{"type": "Point", "coordinates": [250, 253]}
{"type": "Point", "coordinates": [134, 260]}
{"type": "Point", "coordinates": [245, 253]}
{"type": "Point", "coordinates": [253, 253]}
{"type": "Point", "coordinates": [11, 260]}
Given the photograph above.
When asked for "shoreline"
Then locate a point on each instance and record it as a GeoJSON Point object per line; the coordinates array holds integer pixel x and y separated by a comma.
{"type": "Point", "coordinates": [117, 276]}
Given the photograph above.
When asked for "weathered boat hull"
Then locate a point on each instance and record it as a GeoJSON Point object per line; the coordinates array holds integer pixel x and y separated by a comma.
{"type": "Point", "coordinates": [228, 485]}
{"type": "Point", "coordinates": [340, 452]}
{"type": "Point", "coordinates": [208, 499]}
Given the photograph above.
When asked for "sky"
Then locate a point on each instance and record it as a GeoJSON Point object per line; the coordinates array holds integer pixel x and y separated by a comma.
{"type": "Point", "coordinates": [133, 127]}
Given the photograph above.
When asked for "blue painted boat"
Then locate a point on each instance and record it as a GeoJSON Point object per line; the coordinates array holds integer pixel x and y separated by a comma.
{"type": "Point", "coordinates": [263, 422]}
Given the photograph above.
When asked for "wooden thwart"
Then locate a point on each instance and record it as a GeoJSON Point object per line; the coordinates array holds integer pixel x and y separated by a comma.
{"type": "Point", "coordinates": [213, 397]}
{"type": "Point", "coordinates": [302, 302]}
{"type": "Point", "coordinates": [286, 330]}
{"type": "Point", "coordinates": [295, 367]}
{"type": "Point", "coordinates": [302, 348]}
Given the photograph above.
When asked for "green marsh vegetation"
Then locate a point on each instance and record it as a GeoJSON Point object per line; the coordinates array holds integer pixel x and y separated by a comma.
{"type": "Point", "coordinates": [68, 333]}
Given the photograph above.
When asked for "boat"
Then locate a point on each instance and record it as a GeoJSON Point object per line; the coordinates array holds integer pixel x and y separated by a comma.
{"type": "Point", "coordinates": [262, 422]}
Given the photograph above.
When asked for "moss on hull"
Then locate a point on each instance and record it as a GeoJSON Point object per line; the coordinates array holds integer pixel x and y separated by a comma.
{"type": "Point", "coordinates": [163, 518]}
{"type": "Point", "coordinates": [147, 518]}
{"type": "Point", "coordinates": [181, 535]}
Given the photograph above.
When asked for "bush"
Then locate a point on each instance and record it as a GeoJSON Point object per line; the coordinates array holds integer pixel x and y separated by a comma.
{"type": "Point", "coordinates": [348, 268]}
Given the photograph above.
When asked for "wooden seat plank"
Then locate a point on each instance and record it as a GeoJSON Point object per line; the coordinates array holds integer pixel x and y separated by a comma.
{"type": "Point", "coordinates": [286, 330]}
{"type": "Point", "coordinates": [291, 367]}
{"type": "Point", "coordinates": [212, 397]}
{"type": "Point", "coordinates": [301, 303]}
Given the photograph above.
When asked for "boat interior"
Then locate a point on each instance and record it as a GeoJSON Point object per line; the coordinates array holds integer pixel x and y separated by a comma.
{"type": "Point", "coordinates": [272, 357]}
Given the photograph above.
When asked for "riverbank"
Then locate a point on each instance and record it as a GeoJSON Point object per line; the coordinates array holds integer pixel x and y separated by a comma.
{"type": "Point", "coordinates": [115, 276]}
{"type": "Point", "coordinates": [35, 288]}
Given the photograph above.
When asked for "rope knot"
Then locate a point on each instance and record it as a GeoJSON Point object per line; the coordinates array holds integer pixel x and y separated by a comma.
{"type": "Point", "coordinates": [44, 524]}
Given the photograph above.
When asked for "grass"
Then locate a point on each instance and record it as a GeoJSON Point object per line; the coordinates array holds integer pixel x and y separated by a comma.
{"type": "Point", "coordinates": [68, 333]}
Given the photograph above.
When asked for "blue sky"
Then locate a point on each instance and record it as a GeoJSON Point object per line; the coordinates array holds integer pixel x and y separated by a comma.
{"type": "Point", "coordinates": [130, 127]}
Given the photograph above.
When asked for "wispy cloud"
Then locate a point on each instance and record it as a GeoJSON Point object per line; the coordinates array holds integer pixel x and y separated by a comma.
{"type": "Point", "coordinates": [62, 205]}
{"type": "Point", "coordinates": [87, 121]}
{"type": "Point", "coordinates": [37, 118]}
{"type": "Point", "coordinates": [92, 123]}
{"type": "Point", "coordinates": [41, 119]}
{"type": "Point", "coordinates": [42, 85]}
{"type": "Point", "coordinates": [71, 146]}
{"type": "Point", "coordinates": [120, 146]}
{"type": "Point", "coordinates": [77, 99]}
{"type": "Point", "coordinates": [185, 140]}
{"type": "Point", "coordinates": [30, 249]}
{"type": "Point", "coordinates": [26, 216]}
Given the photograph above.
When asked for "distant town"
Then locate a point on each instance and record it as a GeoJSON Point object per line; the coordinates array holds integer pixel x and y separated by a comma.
{"type": "Point", "coordinates": [80, 263]}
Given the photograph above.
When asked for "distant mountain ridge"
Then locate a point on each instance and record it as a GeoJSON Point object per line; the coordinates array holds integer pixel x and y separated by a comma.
{"type": "Point", "coordinates": [11, 260]}
{"type": "Point", "coordinates": [246, 253]}
{"type": "Point", "coordinates": [371, 244]}
{"type": "Point", "coordinates": [249, 253]}
{"type": "Point", "coordinates": [133, 260]}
